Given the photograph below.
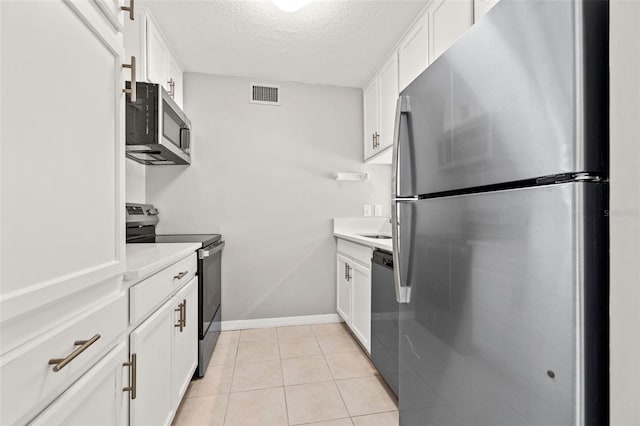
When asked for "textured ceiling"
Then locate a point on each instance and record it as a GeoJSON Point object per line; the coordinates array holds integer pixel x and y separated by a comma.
{"type": "Point", "coordinates": [326, 42]}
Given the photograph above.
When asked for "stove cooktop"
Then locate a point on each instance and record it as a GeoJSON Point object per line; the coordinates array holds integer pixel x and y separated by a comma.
{"type": "Point", "coordinates": [204, 239]}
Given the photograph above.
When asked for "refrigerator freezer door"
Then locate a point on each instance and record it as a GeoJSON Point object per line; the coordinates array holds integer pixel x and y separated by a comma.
{"type": "Point", "coordinates": [508, 290]}
{"type": "Point", "coordinates": [519, 96]}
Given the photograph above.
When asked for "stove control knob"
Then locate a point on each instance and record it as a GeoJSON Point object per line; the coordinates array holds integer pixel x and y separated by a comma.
{"type": "Point", "coordinates": [152, 212]}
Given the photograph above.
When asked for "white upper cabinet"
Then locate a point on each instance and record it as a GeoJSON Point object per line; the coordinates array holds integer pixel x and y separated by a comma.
{"type": "Point", "coordinates": [370, 104]}
{"type": "Point", "coordinates": [388, 88]}
{"type": "Point", "coordinates": [144, 39]}
{"type": "Point", "coordinates": [157, 56]}
{"type": "Point", "coordinates": [481, 7]}
{"type": "Point", "coordinates": [113, 10]}
{"type": "Point", "coordinates": [413, 52]}
{"type": "Point", "coordinates": [448, 20]}
{"type": "Point", "coordinates": [379, 101]}
{"type": "Point", "coordinates": [62, 157]}
{"type": "Point", "coordinates": [174, 80]}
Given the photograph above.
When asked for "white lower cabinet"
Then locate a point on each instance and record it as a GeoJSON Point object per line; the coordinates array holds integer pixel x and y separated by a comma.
{"type": "Point", "coordinates": [96, 399]}
{"type": "Point", "coordinates": [361, 314]}
{"type": "Point", "coordinates": [152, 345]}
{"type": "Point", "coordinates": [165, 348]}
{"type": "Point", "coordinates": [343, 290]}
{"type": "Point", "coordinates": [353, 292]}
{"type": "Point", "coordinates": [185, 341]}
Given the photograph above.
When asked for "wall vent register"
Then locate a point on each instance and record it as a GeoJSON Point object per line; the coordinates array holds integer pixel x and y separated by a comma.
{"type": "Point", "coordinates": [264, 94]}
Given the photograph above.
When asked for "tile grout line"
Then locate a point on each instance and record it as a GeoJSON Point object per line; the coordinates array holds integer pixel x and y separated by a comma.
{"type": "Point", "coordinates": [233, 373]}
{"type": "Point", "coordinates": [284, 390]}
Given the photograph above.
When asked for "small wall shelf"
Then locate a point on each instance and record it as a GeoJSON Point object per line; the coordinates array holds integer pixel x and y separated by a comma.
{"type": "Point", "coordinates": [353, 177]}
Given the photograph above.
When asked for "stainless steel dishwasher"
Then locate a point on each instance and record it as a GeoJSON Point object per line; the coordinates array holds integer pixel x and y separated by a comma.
{"type": "Point", "coordinates": [384, 318]}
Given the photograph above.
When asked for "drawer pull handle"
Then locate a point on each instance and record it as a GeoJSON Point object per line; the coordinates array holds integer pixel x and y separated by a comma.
{"type": "Point", "coordinates": [60, 363]}
{"type": "Point", "coordinates": [134, 372]}
{"type": "Point", "coordinates": [180, 320]}
{"type": "Point", "coordinates": [180, 275]}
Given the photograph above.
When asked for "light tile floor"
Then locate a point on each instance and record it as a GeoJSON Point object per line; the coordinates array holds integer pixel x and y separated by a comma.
{"type": "Point", "coordinates": [304, 375]}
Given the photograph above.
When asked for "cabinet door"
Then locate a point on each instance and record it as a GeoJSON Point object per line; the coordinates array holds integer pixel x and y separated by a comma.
{"type": "Point", "coordinates": [343, 291]}
{"type": "Point", "coordinates": [157, 55]}
{"type": "Point", "coordinates": [413, 53]}
{"type": "Point", "coordinates": [96, 399]}
{"type": "Point", "coordinates": [175, 76]}
{"type": "Point", "coordinates": [388, 87]}
{"type": "Point", "coordinates": [185, 341]}
{"type": "Point", "coordinates": [152, 343]}
{"type": "Point", "coordinates": [361, 315]}
{"type": "Point", "coordinates": [62, 153]}
{"type": "Point", "coordinates": [481, 7]}
{"type": "Point", "coordinates": [449, 19]}
{"type": "Point", "coordinates": [371, 114]}
{"type": "Point", "coordinates": [115, 15]}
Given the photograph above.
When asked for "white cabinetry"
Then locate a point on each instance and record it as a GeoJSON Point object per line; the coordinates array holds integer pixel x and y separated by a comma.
{"type": "Point", "coordinates": [344, 292]}
{"type": "Point", "coordinates": [388, 87]}
{"type": "Point", "coordinates": [413, 52]}
{"type": "Point", "coordinates": [185, 340]}
{"type": "Point", "coordinates": [96, 399]}
{"type": "Point", "coordinates": [152, 345]}
{"type": "Point", "coordinates": [370, 103]}
{"type": "Point", "coordinates": [379, 100]}
{"type": "Point", "coordinates": [448, 20]}
{"type": "Point", "coordinates": [144, 39]}
{"type": "Point", "coordinates": [60, 159]}
{"type": "Point", "coordinates": [157, 55]}
{"type": "Point", "coordinates": [165, 348]}
{"type": "Point", "coordinates": [361, 293]}
{"type": "Point", "coordinates": [481, 7]}
{"type": "Point", "coordinates": [435, 30]}
{"type": "Point", "coordinates": [353, 302]}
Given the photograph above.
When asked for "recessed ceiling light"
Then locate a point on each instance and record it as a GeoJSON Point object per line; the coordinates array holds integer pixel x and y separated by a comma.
{"type": "Point", "coordinates": [291, 5]}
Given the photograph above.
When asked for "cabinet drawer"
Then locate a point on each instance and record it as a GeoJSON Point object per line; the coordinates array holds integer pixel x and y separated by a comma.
{"type": "Point", "coordinates": [357, 252]}
{"type": "Point", "coordinates": [29, 383]}
{"type": "Point", "coordinates": [148, 294]}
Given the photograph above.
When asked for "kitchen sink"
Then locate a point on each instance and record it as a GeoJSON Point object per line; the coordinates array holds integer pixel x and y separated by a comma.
{"type": "Point", "coordinates": [377, 236]}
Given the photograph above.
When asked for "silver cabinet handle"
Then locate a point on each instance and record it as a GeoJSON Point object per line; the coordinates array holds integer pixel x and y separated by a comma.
{"type": "Point", "coordinates": [60, 363]}
{"type": "Point", "coordinates": [172, 87]}
{"type": "Point", "coordinates": [184, 312]}
{"type": "Point", "coordinates": [349, 276]}
{"type": "Point", "coordinates": [129, 9]}
{"type": "Point", "coordinates": [133, 374]}
{"type": "Point", "coordinates": [132, 90]}
{"type": "Point", "coordinates": [377, 140]}
{"type": "Point", "coordinates": [181, 319]}
{"type": "Point", "coordinates": [180, 275]}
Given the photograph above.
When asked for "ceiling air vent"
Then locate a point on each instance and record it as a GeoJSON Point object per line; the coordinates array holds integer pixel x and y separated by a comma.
{"type": "Point", "coordinates": [264, 94]}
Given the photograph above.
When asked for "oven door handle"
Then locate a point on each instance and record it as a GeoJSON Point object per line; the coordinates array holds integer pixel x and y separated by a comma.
{"type": "Point", "coordinates": [202, 253]}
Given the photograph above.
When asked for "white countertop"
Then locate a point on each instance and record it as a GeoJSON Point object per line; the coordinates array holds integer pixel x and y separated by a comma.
{"type": "Point", "coordinates": [148, 258]}
{"type": "Point", "coordinates": [353, 229]}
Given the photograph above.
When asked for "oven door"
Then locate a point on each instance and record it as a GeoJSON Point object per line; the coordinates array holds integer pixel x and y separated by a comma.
{"type": "Point", "coordinates": [209, 282]}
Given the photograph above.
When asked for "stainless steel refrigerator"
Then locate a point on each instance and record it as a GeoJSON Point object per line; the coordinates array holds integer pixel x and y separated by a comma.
{"type": "Point", "coordinates": [500, 226]}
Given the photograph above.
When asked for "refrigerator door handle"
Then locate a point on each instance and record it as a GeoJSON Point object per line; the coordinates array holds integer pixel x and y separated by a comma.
{"type": "Point", "coordinates": [403, 292]}
{"type": "Point", "coordinates": [402, 107]}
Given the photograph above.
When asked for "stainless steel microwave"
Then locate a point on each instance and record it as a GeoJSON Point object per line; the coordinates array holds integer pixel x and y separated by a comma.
{"type": "Point", "coordinates": [158, 131]}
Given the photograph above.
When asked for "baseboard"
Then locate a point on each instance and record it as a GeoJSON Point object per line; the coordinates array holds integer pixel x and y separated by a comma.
{"type": "Point", "coordinates": [280, 322]}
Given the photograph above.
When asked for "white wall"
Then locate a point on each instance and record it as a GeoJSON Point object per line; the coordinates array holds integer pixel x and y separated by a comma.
{"type": "Point", "coordinates": [625, 212]}
{"type": "Point", "coordinates": [135, 182]}
{"type": "Point", "coordinates": [261, 175]}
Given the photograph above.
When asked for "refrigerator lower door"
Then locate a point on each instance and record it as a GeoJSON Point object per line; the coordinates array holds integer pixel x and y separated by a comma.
{"type": "Point", "coordinates": [507, 320]}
